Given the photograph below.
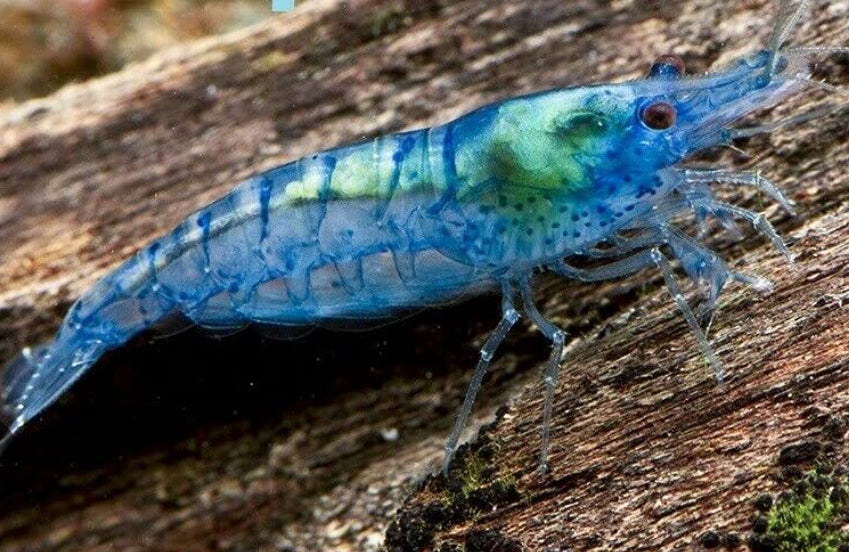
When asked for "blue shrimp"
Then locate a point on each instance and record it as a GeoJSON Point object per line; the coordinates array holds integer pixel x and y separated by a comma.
{"type": "Point", "coordinates": [423, 217]}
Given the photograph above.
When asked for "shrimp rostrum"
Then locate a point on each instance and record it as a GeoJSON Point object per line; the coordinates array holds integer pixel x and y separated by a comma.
{"type": "Point", "coordinates": [423, 217]}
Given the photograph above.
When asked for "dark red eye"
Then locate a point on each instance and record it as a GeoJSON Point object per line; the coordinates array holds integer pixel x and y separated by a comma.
{"type": "Point", "coordinates": [659, 116]}
{"type": "Point", "coordinates": [668, 65]}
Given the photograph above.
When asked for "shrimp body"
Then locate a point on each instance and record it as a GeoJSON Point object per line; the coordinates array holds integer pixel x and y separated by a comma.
{"type": "Point", "coordinates": [362, 231]}
{"type": "Point", "coordinates": [422, 217]}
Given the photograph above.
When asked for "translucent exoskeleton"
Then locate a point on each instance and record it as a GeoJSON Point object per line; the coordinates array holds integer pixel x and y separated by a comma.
{"type": "Point", "coordinates": [422, 217]}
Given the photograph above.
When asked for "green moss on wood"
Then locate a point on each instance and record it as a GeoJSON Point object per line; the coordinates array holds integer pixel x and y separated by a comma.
{"type": "Point", "coordinates": [809, 519]}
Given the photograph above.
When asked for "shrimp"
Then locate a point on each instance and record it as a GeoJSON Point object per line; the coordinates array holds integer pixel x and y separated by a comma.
{"type": "Point", "coordinates": [424, 217]}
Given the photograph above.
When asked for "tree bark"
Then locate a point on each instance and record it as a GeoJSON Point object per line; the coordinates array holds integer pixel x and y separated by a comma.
{"type": "Point", "coordinates": [322, 443]}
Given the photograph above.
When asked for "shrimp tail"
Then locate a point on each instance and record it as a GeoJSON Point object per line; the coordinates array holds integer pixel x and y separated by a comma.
{"type": "Point", "coordinates": [37, 377]}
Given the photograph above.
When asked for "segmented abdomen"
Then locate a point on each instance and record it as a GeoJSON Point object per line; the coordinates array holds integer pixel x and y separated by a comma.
{"type": "Point", "coordinates": [334, 235]}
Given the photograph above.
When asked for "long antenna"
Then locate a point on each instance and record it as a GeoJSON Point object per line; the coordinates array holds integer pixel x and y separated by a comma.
{"type": "Point", "coordinates": [786, 20]}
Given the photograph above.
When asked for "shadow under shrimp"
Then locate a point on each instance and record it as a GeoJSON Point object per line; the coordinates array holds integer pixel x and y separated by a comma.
{"type": "Point", "coordinates": [185, 394]}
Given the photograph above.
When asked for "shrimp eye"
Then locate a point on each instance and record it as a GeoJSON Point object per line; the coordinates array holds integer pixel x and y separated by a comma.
{"type": "Point", "coordinates": [659, 116]}
{"type": "Point", "coordinates": [668, 65]}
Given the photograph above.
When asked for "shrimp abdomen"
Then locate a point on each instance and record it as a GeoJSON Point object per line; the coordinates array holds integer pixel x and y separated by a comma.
{"type": "Point", "coordinates": [331, 236]}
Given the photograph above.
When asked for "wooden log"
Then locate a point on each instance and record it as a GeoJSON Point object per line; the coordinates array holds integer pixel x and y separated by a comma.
{"type": "Point", "coordinates": [242, 443]}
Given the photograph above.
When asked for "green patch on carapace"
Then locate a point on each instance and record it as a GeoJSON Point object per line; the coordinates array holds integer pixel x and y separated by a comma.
{"type": "Point", "coordinates": [539, 146]}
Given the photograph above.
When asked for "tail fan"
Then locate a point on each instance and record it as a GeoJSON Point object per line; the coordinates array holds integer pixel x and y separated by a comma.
{"type": "Point", "coordinates": [37, 377]}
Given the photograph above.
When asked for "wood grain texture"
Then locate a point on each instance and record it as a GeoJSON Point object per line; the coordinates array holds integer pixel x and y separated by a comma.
{"type": "Point", "coordinates": [242, 443]}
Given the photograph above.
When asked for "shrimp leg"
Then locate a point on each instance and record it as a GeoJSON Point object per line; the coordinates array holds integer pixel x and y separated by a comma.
{"type": "Point", "coordinates": [617, 269]}
{"type": "Point", "coordinates": [635, 263]}
{"type": "Point", "coordinates": [758, 222]}
{"type": "Point", "coordinates": [674, 289]}
{"type": "Point", "coordinates": [753, 179]}
{"type": "Point", "coordinates": [701, 263]}
{"type": "Point", "coordinates": [509, 316]}
{"type": "Point", "coordinates": [557, 338]}
{"type": "Point", "coordinates": [622, 246]}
